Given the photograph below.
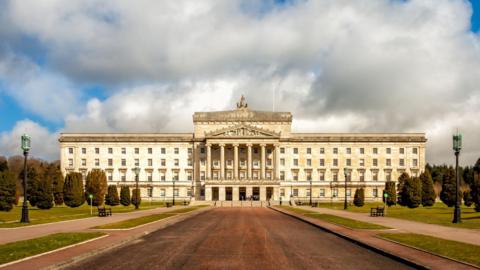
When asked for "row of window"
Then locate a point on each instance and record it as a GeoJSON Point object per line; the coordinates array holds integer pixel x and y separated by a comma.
{"type": "Point", "coordinates": [123, 150]}
{"type": "Point", "coordinates": [321, 192]}
{"type": "Point", "coordinates": [348, 150]}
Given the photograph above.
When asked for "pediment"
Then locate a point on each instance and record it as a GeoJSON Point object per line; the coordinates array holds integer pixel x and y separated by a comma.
{"type": "Point", "coordinates": [242, 131]}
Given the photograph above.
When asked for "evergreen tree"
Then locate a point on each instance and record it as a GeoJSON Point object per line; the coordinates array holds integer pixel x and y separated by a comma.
{"type": "Point", "coordinates": [359, 197]}
{"type": "Point", "coordinates": [136, 197]}
{"type": "Point", "coordinates": [392, 193]}
{"type": "Point", "coordinates": [7, 190]}
{"type": "Point", "coordinates": [44, 190]}
{"type": "Point", "coordinates": [57, 184]}
{"type": "Point", "coordinates": [125, 195]}
{"type": "Point", "coordinates": [476, 186]}
{"type": "Point", "coordinates": [73, 195]}
{"type": "Point", "coordinates": [413, 191]}
{"type": "Point", "coordinates": [428, 193]}
{"type": "Point", "coordinates": [112, 196]}
{"type": "Point", "coordinates": [467, 198]}
{"type": "Point", "coordinates": [96, 184]}
{"type": "Point", "coordinates": [33, 185]}
{"type": "Point", "coordinates": [447, 195]}
{"type": "Point", "coordinates": [401, 182]}
{"type": "Point", "coordinates": [3, 164]}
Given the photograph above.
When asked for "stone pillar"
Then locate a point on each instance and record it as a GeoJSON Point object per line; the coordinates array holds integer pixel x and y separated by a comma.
{"type": "Point", "coordinates": [263, 193]}
{"type": "Point", "coordinates": [222, 162]}
{"type": "Point", "coordinates": [235, 194]}
{"type": "Point", "coordinates": [235, 162]}
{"type": "Point", "coordinates": [248, 191]}
{"type": "Point", "coordinates": [277, 162]}
{"type": "Point", "coordinates": [249, 163]}
{"type": "Point", "coordinates": [221, 193]}
{"type": "Point", "coordinates": [262, 162]}
{"type": "Point", "coordinates": [209, 164]}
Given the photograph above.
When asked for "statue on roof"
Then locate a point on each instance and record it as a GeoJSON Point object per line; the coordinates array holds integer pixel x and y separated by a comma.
{"type": "Point", "coordinates": [242, 104]}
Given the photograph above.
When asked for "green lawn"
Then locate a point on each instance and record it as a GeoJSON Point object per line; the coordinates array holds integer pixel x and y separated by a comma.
{"type": "Point", "coordinates": [456, 250]}
{"type": "Point", "coordinates": [349, 223]}
{"type": "Point", "coordinates": [22, 249]}
{"type": "Point", "coordinates": [61, 213]}
{"type": "Point", "coordinates": [438, 214]}
{"type": "Point", "coordinates": [130, 223]}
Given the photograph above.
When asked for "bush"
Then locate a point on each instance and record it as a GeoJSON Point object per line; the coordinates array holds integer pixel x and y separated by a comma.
{"type": "Point", "coordinates": [112, 198]}
{"type": "Point", "coordinates": [428, 193]}
{"type": "Point", "coordinates": [96, 184]}
{"type": "Point", "coordinates": [73, 190]}
{"type": "Point", "coordinates": [57, 184]}
{"type": "Point", "coordinates": [476, 186]}
{"type": "Point", "coordinates": [359, 197]}
{"type": "Point", "coordinates": [412, 192]}
{"type": "Point", "coordinates": [447, 195]}
{"type": "Point", "coordinates": [392, 193]}
{"type": "Point", "coordinates": [401, 182]}
{"type": "Point", "coordinates": [33, 183]}
{"type": "Point", "coordinates": [467, 198]}
{"type": "Point", "coordinates": [125, 195]}
{"type": "Point", "coordinates": [44, 192]}
{"type": "Point", "coordinates": [136, 197]}
{"type": "Point", "coordinates": [7, 190]}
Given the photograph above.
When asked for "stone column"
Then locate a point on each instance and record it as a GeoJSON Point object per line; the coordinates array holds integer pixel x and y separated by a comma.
{"type": "Point", "coordinates": [222, 161]}
{"type": "Point", "coordinates": [221, 193]}
{"type": "Point", "coordinates": [235, 194]}
{"type": "Point", "coordinates": [249, 161]}
{"type": "Point", "coordinates": [277, 162]}
{"type": "Point", "coordinates": [263, 193]}
{"type": "Point", "coordinates": [235, 161]}
{"type": "Point", "coordinates": [262, 162]}
{"type": "Point", "coordinates": [208, 194]}
{"type": "Point", "coordinates": [248, 191]}
{"type": "Point", "coordinates": [209, 161]}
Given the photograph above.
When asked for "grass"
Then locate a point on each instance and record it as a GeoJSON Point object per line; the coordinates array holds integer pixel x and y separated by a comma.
{"type": "Point", "coordinates": [452, 249]}
{"type": "Point", "coordinates": [349, 223]}
{"type": "Point", "coordinates": [438, 214]}
{"type": "Point", "coordinates": [130, 223]}
{"type": "Point", "coordinates": [61, 213]}
{"type": "Point", "coordinates": [22, 249]}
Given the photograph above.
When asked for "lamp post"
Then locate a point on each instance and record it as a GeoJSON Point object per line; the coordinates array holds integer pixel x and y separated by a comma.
{"type": "Point", "coordinates": [25, 147]}
{"type": "Point", "coordinates": [136, 170]}
{"type": "Point", "coordinates": [457, 146]}
{"type": "Point", "coordinates": [345, 172]}
{"type": "Point", "coordinates": [310, 191]}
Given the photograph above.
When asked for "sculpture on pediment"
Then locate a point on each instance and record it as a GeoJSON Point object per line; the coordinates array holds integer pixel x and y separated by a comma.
{"type": "Point", "coordinates": [242, 104]}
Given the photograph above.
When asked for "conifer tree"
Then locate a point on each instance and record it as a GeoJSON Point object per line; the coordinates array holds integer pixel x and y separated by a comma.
{"type": "Point", "coordinates": [412, 192]}
{"type": "Point", "coordinates": [44, 190]}
{"type": "Point", "coordinates": [7, 190]}
{"type": "Point", "coordinates": [136, 197]}
{"type": "Point", "coordinates": [401, 182]}
{"type": "Point", "coordinates": [447, 195]}
{"type": "Point", "coordinates": [428, 193]}
{"type": "Point", "coordinates": [125, 195]}
{"type": "Point", "coordinates": [112, 198]}
{"type": "Point", "coordinates": [392, 193]}
{"type": "Point", "coordinates": [96, 184]}
{"type": "Point", "coordinates": [467, 198]}
{"type": "Point", "coordinates": [476, 186]}
{"type": "Point", "coordinates": [57, 184]}
{"type": "Point", "coordinates": [73, 195]}
{"type": "Point", "coordinates": [359, 197]}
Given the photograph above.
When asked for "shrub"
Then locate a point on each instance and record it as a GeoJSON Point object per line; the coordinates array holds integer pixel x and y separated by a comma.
{"type": "Point", "coordinates": [412, 192]}
{"type": "Point", "coordinates": [136, 197]}
{"type": "Point", "coordinates": [73, 190]}
{"type": "Point", "coordinates": [57, 185]}
{"type": "Point", "coordinates": [401, 182]}
{"type": "Point", "coordinates": [96, 184]}
{"type": "Point", "coordinates": [467, 198]}
{"type": "Point", "coordinates": [7, 190]}
{"type": "Point", "coordinates": [44, 191]}
{"type": "Point", "coordinates": [428, 192]}
{"type": "Point", "coordinates": [125, 195]}
{"type": "Point", "coordinates": [392, 193]}
{"type": "Point", "coordinates": [359, 197]}
{"type": "Point", "coordinates": [447, 195]}
{"type": "Point", "coordinates": [112, 198]}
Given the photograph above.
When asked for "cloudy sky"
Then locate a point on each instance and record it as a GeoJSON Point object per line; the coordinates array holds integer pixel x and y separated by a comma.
{"type": "Point", "coordinates": [146, 66]}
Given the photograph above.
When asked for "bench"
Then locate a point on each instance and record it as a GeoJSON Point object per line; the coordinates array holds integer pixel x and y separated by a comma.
{"type": "Point", "coordinates": [103, 212]}
{"type": "Point", "coordinates": [377, 211]}
{"type": "Point", "coordinates": [169, 204]}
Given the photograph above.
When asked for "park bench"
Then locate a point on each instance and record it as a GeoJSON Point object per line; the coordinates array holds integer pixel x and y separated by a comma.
{"type": "Point", "coordinates": [377, 211]}
{"type": "Point", "coordinates": [103, 212]}
{"type": "Point", "coordinates": [169, 204]}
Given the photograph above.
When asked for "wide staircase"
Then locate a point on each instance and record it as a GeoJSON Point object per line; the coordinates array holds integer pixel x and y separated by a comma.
{"type": "Point", "coordinates": [242, 203]}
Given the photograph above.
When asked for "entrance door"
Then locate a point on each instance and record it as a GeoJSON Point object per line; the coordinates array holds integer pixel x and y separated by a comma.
{"type": "Point", "coordinates": [215, 194]}
{"type": "Point", "coordinates": [269, 193]}
{"type": "Point", "coordinates": [228, 193]}
{"type": "Point", "coordinates": [242, 193]}
{"type": "Point", "coordinates": [256, 193]}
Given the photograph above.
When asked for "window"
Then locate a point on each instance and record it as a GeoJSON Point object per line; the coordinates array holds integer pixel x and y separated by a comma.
{"type": "Point", "coordinates": [97, 162]}
{"type": "Point", "coordinates": [255, 150]}
{"type": "Point", "coordinates": [282, 162]}
{"type": "Point", "coordinates": [123, 176]}
{"type": "Point", "coordinates": [322, 150]}
{"type": "Point", "coordinates": [70, 150]}
{"type": "Point", "coordinates": [375, 192]}
{"type": "Point", "coordinates": [389, 162]}
{"type": "Point", "coordinates": [309, 162]}
{"type": "Point", "coordinates": [335, 150]}
{"type": "Point", "coordinates": [175, 176]}
{"type": "Point", "coordinates": [402, 151]}
{"type": "Point", "coordinates": [362, 162]}
{"type": "Point", "coordinates": [110, 162]}
{"type": "Point", "coordinates": [307, 192]}
{"type": "Point", "coordinates": [110, 150]}
{"type": "Point", "coordinates": [282, 175]}
{"type": "Point", "coordinates": [402, 162]}
{"type": "Point", "coordinates": [124, 150]}
{"type": "Point", "coordinates": [322, 192]}
{"type": "Point", "coordinates": [162, 150]}
{"type": "Point", "coordinates": [189, 192]}
{"type": "Point", "coordinates": [349, 150]}
{"type": "Point", "coordinates": [243, 163]}
{"type": "Point", "coordinates": [309, 151]}
{"type": "Point", "coordinates": [163, 162]}
{"type": "Point", "coordinates": [321, 176]}
{"type": "Point", "coordinates": [256, 163]}
{"type": "Point", "coordinates": [110, 176]}
{"type": "Point", "coordinates": [162, 176]}
{"type": "Point", "coordinates": [361, 176]}
{"type": "Point", "coordinates": [295, 175]}
{"type": "Point", "coordinates": [335, 193]}
{"type": "Point", "coordinates": [189, 151]}
{"type": "Point", "coordinates": [202, 150]}
{"type": "Point", "coordinates": [269, 151]}
{"type": "Point", "coordinates": [415, 150]}
{"type": "Point", "coordinates": [176, 150]}
{"type": "Point", "coordinates": [282, 150]}
{"type": "Point", "coordinates": [295, 150]}
{"type": "Point", "coordinates": [150, 162]}
{"type": "Point", "coordinates": [269, 162]}
{"type": "Point", "coordinates": [389, 151]}
{"type": "Point", "coordinates": [255, 175]}
{"type": "Point", "coordinates": [348, 162]}
{"type": "Point", "coordinates": [282, 192]}
{"type": "Point", "coordinates": [97, 151]}
{"type": "Point", "coordinates": [362, 151]}
{"type": "Point", "coordinates": [242, 175]}
{"type": "Point", "coordinates": [176, 162]}
{"type": "Point", "coordinates": [137, 162]}
{"type": "Point", "coordinates": [335, 176]}
{"type": "Point", "coordinates": [349, 192]}
{"type": "Point", "coordinates": [189, 176]}
{"type": "Point", "coordinates": [295, 192]}
{"type": "Point", "coordinates": [322, 162]}
{"type": "Point", "coordinates": [335, 162]}
{"type": "Point", "coordinates": [124, 162]}
{"type": "Point", "coordinates": [415, 162]}
{"type": "Point", "coordinates": [189, 162]}
{"type": "Point", "coordinates": [175, 192]}
{"type": "Point", "coordinates": [162, 192]}
{"type": "Point", "coordinates": [150, 192]}
{"type": "Point", "coordinates": [295, 162]}
{"type": "Point", "coordinates": [309, 176]}
{"type": "Point", "coordinates": [375, 151]}
{"type": "Point", "coordinates": [150, 150]}
{"type": "Point", "coordinates": [388, 176]}
{"type": "Point", "coordinates": [149, 176]}
{"type": "Point", "coordinates": [137, 151]}
{"type": "Point", "coordinates": [84, 151]}
{"type": "Point", "coordinates": [202, 162]}
{"type": "Point", "coordinates": [202, 176]}
{"type": "Point", "coordinates": [375, 162]}
{"type": "Point", "coordinates": [84, 162]}
{"type": "Point", "coordinates": [375, 176]}
{"type": "Point", "coordinates": [229, 162]}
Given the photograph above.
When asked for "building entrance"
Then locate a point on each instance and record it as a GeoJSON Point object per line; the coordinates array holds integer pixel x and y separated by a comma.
{"type": "Point", "coordinates": [242, 193]}
{"type": "Point", "coordinates": [228, 193]}
{"type": "Point", "coordinates": [269, 193]}
{"type": "Point", "coordinates": [215, 196]}
{"type": "Point", "coordinates": [256, 193]}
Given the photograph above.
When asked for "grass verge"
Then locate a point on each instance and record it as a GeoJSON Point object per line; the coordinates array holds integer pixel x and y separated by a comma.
{"type": "Point", "coordinates": [22, 249]}
{"type": "Point", "coordinates": [452, 249]}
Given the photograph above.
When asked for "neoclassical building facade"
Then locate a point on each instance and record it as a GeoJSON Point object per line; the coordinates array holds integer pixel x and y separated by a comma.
{"type": "Point", "coordinates": [247, 154]}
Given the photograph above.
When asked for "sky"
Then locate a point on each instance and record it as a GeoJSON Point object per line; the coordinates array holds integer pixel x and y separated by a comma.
{"type": "Point", "coordinates": [146, 66]}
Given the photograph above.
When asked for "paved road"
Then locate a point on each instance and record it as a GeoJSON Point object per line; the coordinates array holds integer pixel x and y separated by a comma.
{"type": "Point", "coordinates": [240, 238]}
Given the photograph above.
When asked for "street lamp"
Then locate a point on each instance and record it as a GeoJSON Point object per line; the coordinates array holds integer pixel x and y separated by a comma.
{"type": "Point", "coordinates": [136, 170]}
{"type": "Point", "coordinates": [25, 147]}
{"type": "Point", "coordinates": [345, 172]}
{"type": "Point", "coordinates": [457, 146]}
{"type": "Point", "coordinates": [310, 191]}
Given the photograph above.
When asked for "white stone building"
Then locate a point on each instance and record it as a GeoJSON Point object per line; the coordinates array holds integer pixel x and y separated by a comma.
{"type": "Point", "coordinates": [243, 154]}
